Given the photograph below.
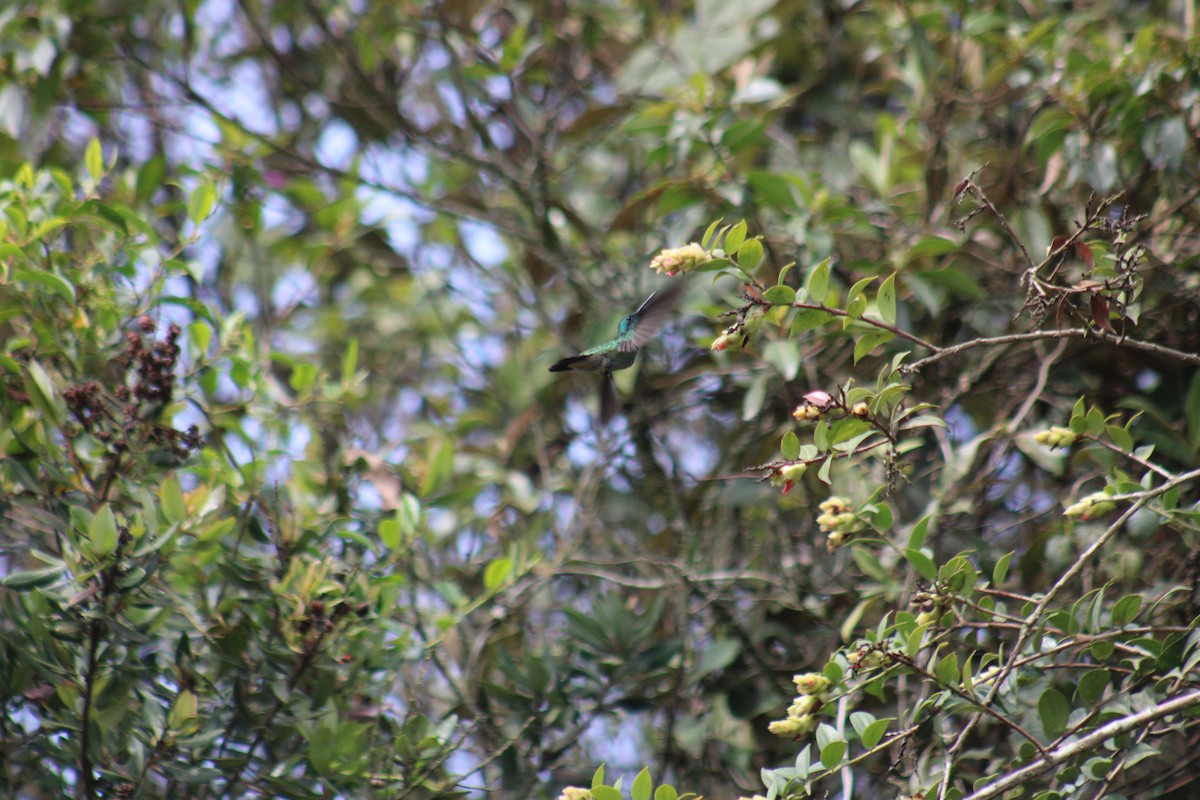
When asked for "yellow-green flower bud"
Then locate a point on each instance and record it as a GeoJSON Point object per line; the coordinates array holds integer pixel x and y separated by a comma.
{"type": "Point", "coordinates": [860, 409]}
{"type": "Point", "coordinates": [836, 505]}
{"type": "Point", "coordinates": [811, 683]}
{"type": "Point", "coordinates": [803, 705]}
{"type": "Point", "coordinates": [792, 472]}
{"type": "Point", "coordinates": [575, 793]}
{"type": "Point", "coordinates": [793, 727]}
{"type": "Point", "coordinates": [1094, 505]}
{"type": "Point", "coordinates": [1056, 437]}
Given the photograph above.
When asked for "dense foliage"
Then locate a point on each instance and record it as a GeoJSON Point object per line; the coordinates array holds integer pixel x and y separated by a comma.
{"type": "Point", "coordinates": [903, 502]}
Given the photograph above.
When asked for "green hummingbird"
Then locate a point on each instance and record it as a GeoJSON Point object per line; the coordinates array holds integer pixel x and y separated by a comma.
{"type": "Point", "coordinates": [633, 332]}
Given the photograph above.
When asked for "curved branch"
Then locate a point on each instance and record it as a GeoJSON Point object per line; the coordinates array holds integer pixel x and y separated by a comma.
{"type": "Point", "coordinates": [1097, 737]}
{"type": "Point", "coordinates": [1065, 333]}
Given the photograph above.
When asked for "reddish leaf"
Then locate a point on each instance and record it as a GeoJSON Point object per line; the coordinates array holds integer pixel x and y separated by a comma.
{"type": "Point", "coordinates": [1100, 314]}
{"type": "Point", "coordinates": [1060, 313]}
{"type": "Point", "coordinates": [1085, 255]}
{"type": "Point", "coordinates": [1057, 242]}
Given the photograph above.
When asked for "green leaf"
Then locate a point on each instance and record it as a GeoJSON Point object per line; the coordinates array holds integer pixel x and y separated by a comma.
{"type": "Point", "coordinates": [350, 360]}
{"type": "Point", "coordinates": [93, 157]}
{"type": "Point", "coordinates": [605, 793]}
{"type": "Point", "coordinates": [780, 295]}
{"type": "Point", "coordinates": [823, 471]}
{"type": "Point", "coordinates": [716, 656]}
{"type": "Point", "coordinates": [706, 240]}
{"type": "Point", "coordinates": [33, 579]}
{"type": "Point", "coordinates": [832, 753]}
{"type": "Point", "coordinates": [912, 645]}
{"type": "Point", "coordinates": [41, 393]}
{"type": "Point", "coordinates": [303, 376]}
{"type": "Point", "coordinates": [441, 465]}
{"type": "Point", "coordinates": [873, 733]}
{"type": "Point", "coordinates": [735, 237]}
{"type": "Point", "coordinates": [1000, 571]}
{"type": "Point", "coordinates": [932, 246]}
{"type": "Point", "coordinates": [170, 498]}
{"type": "Point", "coordinates": [1120, 437]}
{"type": "Point", "coordinates": [666, 792]}
{"type": "Point", "coordinates": [790, 446]}
{"type": "Point", "coordinates": [103, 533]}
{"type": "Point", "coordinates": [809, 318]}
{"type": "Point", "coordinates": [408, 513]}
{"type": "Point", "coordinates": [1092, 685]}
{"type": "Point", "coordinates": [916, 539]}
{"type": "Point", "coordinates": [598, 775]}
{"type": "Point", "coordinates": [183, 711]}
{"type": "Point", "coordinates": [496, 573]}
{"type": "Point", "coordinates": [818, 282]}
{"type": "Point", "coordinates": [55, 283]}
{"type": "Point", "coordinates": [921, 563]}
{"type": "Point", "coordinates": [869, 341]}
{"type": "Point", "coordinates": [858, 290]}
{"type": "Point", "coordinates": [200, 335]}
{"type": "Point", "coordinates": [390, 533]}
{"type": "Point", "coordinates": [947, 670]}
{"type": "Point", "coordinates": [1053, 711]}
{"type": "Point", "coordinates": [642, 785]}
{"type": "Point", "coordinates": [756, 394]}
{"type": "Point", "coordinates": [201, 202]}
{"type": "Point", "coordinates": [1095, 421]}
{"type": "Point", "coordinates": [886, 300]}
{"type": "Point", "coordinates": [859, 720]}
{"type": "Point", "coordinates": [1126, 609]}
{"type": "Point", "coordinates": [150, 178]}
{"type": "Point", "coordinates": [750, 254]}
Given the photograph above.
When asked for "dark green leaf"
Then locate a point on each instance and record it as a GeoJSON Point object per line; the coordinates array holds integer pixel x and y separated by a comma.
{"type": "Point", "coordinates": [1053, 710]}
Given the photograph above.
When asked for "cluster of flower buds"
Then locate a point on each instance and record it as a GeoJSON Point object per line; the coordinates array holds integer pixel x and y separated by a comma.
{"type": "Point", "coordinates": [723, 341]}
{"type": "Point", "coordinates": [815, 404]}
{"type": "Point", "coordinates": [155, 364]}
{"type": "Point", "coordinates": [576, 793]}
{"type": "Point", "coordinates": [1094, 505]}
{"type": "Point", "coordinates": [1056, 437]}
{"type": "Point", "coordinates": [837, 519]}
{"type": "Point", "coordinates": [749, 320]}
{"type": "Point", "coordinates": [929, 606]}
{"type": "Point", "coordinates": [813, 692]}
{"type": "Point", "coordinates": [867, 656]}
{"type": "Point", "coordinates": [675, 260]}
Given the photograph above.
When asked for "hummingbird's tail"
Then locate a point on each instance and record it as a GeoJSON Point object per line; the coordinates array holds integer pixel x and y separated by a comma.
{"type": "Point", "coordinates": [610, 404]}
{"type": "Point", "coordinates": [568, 363]}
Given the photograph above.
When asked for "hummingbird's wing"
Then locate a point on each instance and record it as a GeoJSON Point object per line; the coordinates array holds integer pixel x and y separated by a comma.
{"type": "Point", "coordinates": [610, 404]}
{"type": "Point", "coordinates": [652, 316]}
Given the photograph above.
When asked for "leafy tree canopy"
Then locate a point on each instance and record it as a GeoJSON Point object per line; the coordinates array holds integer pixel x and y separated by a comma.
{"type": "Point", "coordinates": [901, 502]}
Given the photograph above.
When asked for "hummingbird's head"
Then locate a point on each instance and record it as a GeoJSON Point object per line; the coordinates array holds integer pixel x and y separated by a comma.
{"type": "Point", "coordinates": [627, 324]}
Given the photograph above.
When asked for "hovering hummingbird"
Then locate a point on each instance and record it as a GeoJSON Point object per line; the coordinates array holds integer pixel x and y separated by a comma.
{"type": "Point", "coordinates": [633, 332]}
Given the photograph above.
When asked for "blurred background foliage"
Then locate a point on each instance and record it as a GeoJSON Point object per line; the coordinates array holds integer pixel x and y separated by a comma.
{"type": "Point", "coordinates": [292, 506]}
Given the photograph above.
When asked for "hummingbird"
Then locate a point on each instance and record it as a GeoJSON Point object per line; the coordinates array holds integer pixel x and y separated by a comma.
{"type": "Point", "coordinates": [633, 332]}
